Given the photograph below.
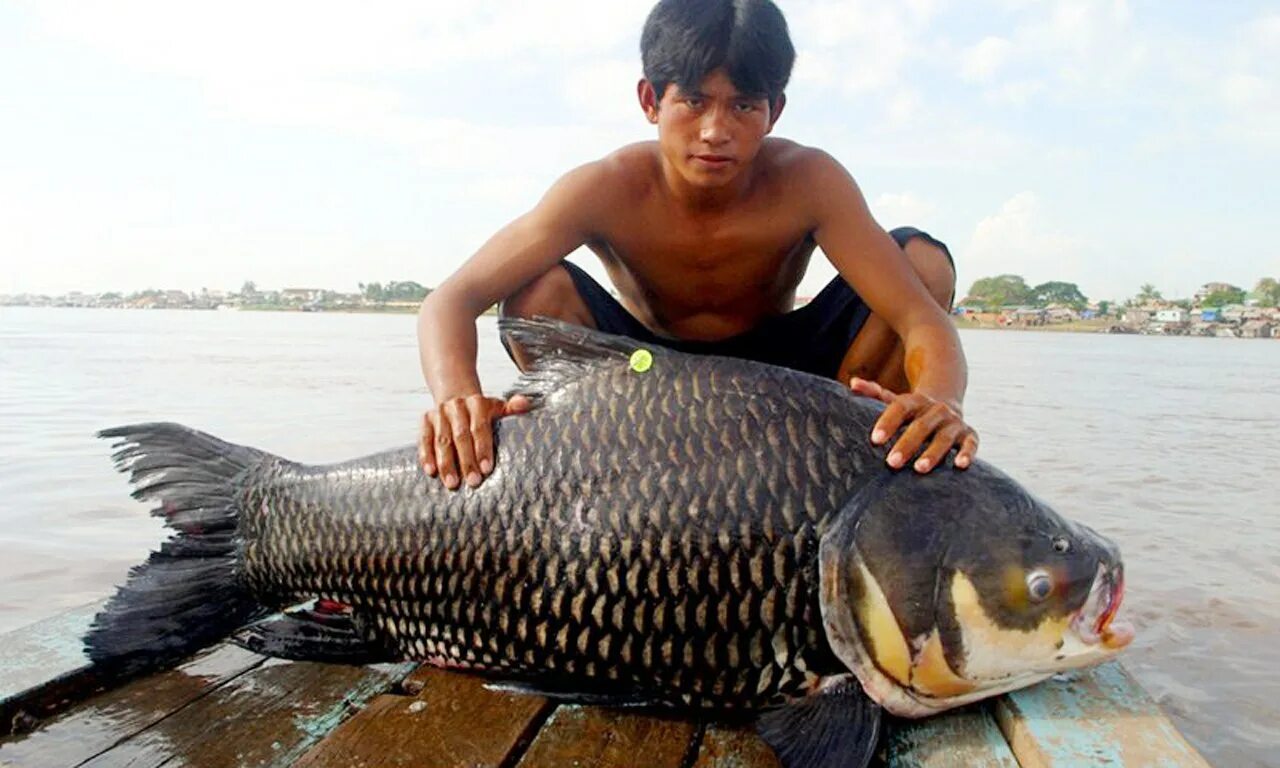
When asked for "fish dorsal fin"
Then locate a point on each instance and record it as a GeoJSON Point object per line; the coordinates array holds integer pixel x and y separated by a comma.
{"type": "Point", "coordinates": [560, 352]}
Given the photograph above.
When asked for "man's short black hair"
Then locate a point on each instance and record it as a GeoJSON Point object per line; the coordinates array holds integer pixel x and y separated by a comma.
{"type": "Point", "coordinates": [686, 40]}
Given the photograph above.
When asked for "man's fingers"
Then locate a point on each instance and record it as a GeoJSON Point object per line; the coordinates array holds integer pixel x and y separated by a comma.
{"type": "Point", "coordinates": [482, 411]}
{"type": "Point", "coordinates": [917, 432]}
{"type": "Point", "coordinates": [460, 429]}
{"type": "Point", "coordinates": [446, 461]}
{"type": "Point", "coordinates": [968, 450]}
{"type": "Point", "coordinates": [517, 404]}
{"type": "Point", "coordinates": [871, 389]}
{"type": "Point", "coordinates": [892, 419]}
{"type": "Point", "coordinates": [426, 446]}
{"type": "Point", "coordinates": [943, 440]}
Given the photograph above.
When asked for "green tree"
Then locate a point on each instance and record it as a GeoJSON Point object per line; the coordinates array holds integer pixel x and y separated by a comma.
{"type": "Point", "coordinates": [1232, 295]}
{"type": "Point", "coordinates": [999, 291]}
{"type": "Point", "coordinates": [406, 291]}
{"type": "Point", "coordinates": [1268, 292]}
{"type": "Point", "coordinates": [1104, 308]}
{"type": "Point", "coordinates": [249, 289]}
{"type": "Point", "coordinates": [373, 292]}
{"type": "Point", "coordinates": [1148, 293]}
{"type": "Point", "coordinates": [1055, 292]}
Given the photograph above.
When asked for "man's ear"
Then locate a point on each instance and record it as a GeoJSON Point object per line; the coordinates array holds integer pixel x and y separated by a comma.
{"type": "Point", "coordinates": [775, 109]}
{"type": "Point", "coordinates": [648, 100]}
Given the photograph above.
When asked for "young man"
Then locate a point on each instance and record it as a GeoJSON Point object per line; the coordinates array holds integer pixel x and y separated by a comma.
{"type": "Point", "coordinates": [706, 233]}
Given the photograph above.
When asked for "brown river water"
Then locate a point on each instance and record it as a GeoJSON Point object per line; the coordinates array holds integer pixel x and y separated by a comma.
{"type": "Point", "coordinates": [1168, 445]}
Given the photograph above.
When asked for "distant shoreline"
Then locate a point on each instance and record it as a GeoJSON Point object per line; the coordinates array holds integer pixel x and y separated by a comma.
{"type": "Point", "coordinates": [1092, 326]}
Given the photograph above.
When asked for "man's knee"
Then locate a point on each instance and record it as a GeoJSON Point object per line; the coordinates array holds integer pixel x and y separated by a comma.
{"type": "Point", "coordinates": [933, 266]}
{"type": "Point", "coordinates": [551, 294]}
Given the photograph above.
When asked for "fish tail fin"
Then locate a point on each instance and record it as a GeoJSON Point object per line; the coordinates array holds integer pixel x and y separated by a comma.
{"type": "Point", "coordinates": [189, 593]}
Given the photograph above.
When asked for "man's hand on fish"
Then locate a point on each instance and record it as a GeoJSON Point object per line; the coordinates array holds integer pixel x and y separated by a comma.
{"type": "Point", "coordinates": [924, 417]}
{"type": "Point", "coordinates": [457, 437]}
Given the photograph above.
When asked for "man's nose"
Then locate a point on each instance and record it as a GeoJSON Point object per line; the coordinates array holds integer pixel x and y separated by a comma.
{"type": "Point", "coordinates": [714, 128]}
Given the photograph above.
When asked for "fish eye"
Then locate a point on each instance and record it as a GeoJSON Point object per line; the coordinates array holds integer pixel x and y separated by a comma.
{"type": "Point", "coordinates": [1061, 545]}
{"type": "Point", "coordinates": [1039, 586]}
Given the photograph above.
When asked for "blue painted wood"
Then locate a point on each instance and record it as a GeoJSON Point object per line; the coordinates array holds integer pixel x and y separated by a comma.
{"type": "Point", "coordinates": [1098, 717]}
{"type": "Point", "coordinates": [37, 654]}
{"type": "Point", "coordinates": [43, 668]}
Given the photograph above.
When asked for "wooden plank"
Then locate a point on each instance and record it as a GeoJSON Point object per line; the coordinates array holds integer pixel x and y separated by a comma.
{"type": "Point", "coordinates": [268, 716]}
{"type": "Point", "coordinates": [597, 737]}
{"type": "Point", "coordinates": [111, 717]}
{"type": "Point", "coordinates": [1099, 717]}
{"type": "Point", "coordinates": [450, 719]}
{"type": "Point", "coordinates": [968, 737]}
{"type": "Point", "coordinates": [725, 746]}
{"type": "Point", "coordinates": [43, 668]}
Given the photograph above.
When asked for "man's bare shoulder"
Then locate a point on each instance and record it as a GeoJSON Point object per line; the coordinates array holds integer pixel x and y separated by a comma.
{"type": "Point", "coordinates": [633, 168]}
{"type": "Point", "coordinates": [796, 162]}
{"type": "Point", "coordinates": [623, 176]}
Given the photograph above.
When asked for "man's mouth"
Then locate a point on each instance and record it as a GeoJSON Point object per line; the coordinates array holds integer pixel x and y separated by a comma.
{"type": "Point", "coordinates": [714, 159]}
{"type": "Point", "coordinates": [1096, 622]}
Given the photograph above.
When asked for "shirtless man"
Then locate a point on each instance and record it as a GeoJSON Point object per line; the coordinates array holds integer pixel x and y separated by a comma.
{"type": "Point", "coordinates": [706, 233]}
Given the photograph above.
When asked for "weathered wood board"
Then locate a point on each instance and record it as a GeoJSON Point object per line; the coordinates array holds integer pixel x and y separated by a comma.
{"type": "Point", "coordinates": [229, 707]}
{"type": "Point", "coordinates": [1099, 717]}
{"type": "Point", "coordinates": [43, 667]}
{"type": "Point", "coordinates": [269, 715]}
{"type": "Point", "coordinates": [726, 747]}
{"type": "Point", "coordinates": [108, 718]}
{"type": "Point", "coordinates": [441, 720]}
{"type": "Point", "coordinates": [596, 737]}
{"type": "Point", "coordinates": [968, 737]}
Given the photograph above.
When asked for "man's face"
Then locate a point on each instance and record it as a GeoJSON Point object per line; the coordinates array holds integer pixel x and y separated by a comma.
{"type": "Point", "coordinates": [708, 134]}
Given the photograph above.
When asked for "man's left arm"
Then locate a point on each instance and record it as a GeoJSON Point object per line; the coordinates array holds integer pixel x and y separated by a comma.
{"type": "Point", "coordinates": [930, 415]}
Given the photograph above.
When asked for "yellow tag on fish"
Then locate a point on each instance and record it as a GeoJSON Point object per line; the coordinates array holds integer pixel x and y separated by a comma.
{"type": "Point", "coordinates": [641, 360]}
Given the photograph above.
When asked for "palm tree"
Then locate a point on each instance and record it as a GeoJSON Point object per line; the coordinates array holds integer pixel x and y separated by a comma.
{"type": "Point", "coordinates": [1148, 293]}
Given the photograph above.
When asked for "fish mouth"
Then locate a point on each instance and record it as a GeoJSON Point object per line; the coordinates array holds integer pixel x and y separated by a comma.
{"type": "Point", "coordinates": [1095, 623]}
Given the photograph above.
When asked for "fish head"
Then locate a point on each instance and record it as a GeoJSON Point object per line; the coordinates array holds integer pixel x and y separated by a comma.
{"type": "Point", "coordinates": [943, 589]}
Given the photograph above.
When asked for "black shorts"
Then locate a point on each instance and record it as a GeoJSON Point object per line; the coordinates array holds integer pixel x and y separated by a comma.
{"type": "Point", "coordinates": [813, 338]}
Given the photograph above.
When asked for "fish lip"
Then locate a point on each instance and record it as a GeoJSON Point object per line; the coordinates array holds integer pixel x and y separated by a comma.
{"type": "Point", "coordinates": [1095, 623]}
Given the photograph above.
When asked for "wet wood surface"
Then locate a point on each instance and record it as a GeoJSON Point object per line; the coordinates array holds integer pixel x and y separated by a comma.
{"type": "Point", "coordinates": [106, 719]}
{"type": "Point", "coordinates": [438, 720]}
{"type": "Point", "coordinates": [728, 747]}
{"type": "Point", "coordinates": [228, 707]}
{"type": "Point", "coordinates": [596, 737]}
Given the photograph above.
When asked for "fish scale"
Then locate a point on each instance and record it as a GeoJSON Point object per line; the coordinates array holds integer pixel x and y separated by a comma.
{"type": "Point", "coordinates": [699, 588]}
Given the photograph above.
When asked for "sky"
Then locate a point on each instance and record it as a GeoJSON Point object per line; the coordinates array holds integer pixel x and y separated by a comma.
{"type": "Point", "coordinates": [175, 144]}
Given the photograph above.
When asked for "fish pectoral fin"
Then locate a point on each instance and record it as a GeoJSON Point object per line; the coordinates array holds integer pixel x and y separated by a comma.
{"type": "Point", "coordinates": [838, 727]}
{"type": "Point", "coordinates": [314, 634]}
{"type": "Point", "coordinates": [575, 694]}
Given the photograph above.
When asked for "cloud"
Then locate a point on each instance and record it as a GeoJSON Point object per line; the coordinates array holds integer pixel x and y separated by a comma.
{"type": "Point", "coordinates": [1020, 239]}
{"type": "Point", "coordinates": [868, 43]}
{"type": "Point", "coordinates": [1249, 89]}
{"type": "Point", "coordinates": [272, 39]}
{"type": "Point", "coordinates": [604, 92]}
{"type": "Point", "coordinates": [980, 62]}
{"type": "Point", "coordinates": [896, 209]}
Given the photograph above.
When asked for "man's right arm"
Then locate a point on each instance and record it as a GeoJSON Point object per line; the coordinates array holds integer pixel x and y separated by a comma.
{"type": "Point", "coordinates": [457, 434]}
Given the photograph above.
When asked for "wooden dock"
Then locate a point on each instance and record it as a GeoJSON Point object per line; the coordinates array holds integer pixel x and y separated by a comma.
{"type": "Point", "coordinates": [230, 707]}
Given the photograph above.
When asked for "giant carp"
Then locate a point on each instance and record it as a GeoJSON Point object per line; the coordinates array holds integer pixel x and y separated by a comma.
{"type": "Point", "coordinates": [662, 529]}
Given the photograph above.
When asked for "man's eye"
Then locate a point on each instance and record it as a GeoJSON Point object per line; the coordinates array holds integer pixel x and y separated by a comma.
{"type": "Point", "coordinates": [694, 103]}
{"type": "Point", "coordinates": [744, 106]}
